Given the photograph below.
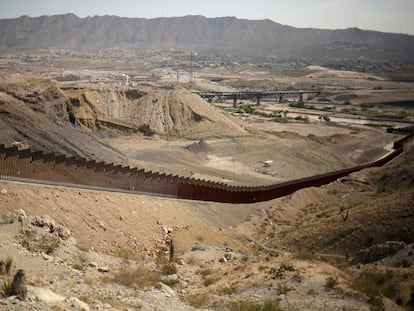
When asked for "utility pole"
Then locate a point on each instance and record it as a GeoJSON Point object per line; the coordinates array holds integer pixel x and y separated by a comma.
{"type": "Point", "coordinates": [178, 76]}
{"type": "Point", "coordinates": [191, 65]}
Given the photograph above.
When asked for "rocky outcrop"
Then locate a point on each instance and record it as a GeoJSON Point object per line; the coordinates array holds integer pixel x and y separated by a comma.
{"type": "Point", "coordinates": [378, 251]}
{"type": "Point", "coordinates": [38, 233]}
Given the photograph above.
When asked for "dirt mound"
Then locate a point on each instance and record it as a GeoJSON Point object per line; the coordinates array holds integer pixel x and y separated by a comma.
{"type": "Point", "coordinates": [165, 112]}
{"type": "Point", "coordinates": [200, 146]}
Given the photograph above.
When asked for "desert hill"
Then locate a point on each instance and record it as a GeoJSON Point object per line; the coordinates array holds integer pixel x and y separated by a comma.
{"type": "Point", "coordinates": [28, 114]}
{"type": "Point", "coordinates": [296, 251]}
{"type": "Point", "coordinates": [71, 121]}
{"type": "Point", "coordinates": [363, 210]}
{"type": "Point", "coordinates": [162, 111]}
{"type": "Point", "coordinates": [206, 35]}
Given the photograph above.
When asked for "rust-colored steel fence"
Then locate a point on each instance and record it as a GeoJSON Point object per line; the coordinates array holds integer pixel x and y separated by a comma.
{"type": "Point", "coordinates": [37, 167]}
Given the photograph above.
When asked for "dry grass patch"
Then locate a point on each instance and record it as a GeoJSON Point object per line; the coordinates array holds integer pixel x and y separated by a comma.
{"type": "Point", "coordinates": [209, 281]}
{"type": "Point", "coordinates": [244, 305]}
{"type": "Point", "coordinates": [126, 253]}
{"type": "Point", "coordinates": [198, 300]}
{"type": "Point", "coordinates": [375, 284]}
{"type": "Point", "coordinates": [227, 290]}
{"type": "Point", "coordinates": [80, 261]}
{"type": "Point", "coordinates": [134, 277]}
{"type": "Point", "coordinates": [6, 287]}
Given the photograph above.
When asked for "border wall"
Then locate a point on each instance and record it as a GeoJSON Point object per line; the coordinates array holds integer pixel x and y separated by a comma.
{"type": "Point", "coordinates": [26, 165]}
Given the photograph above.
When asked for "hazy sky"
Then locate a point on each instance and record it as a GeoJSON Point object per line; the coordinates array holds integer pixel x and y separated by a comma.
{"type": "Point", "coordinates": [383, 15]}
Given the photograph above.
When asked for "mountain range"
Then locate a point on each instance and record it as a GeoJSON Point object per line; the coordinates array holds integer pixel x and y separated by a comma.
{"type": "Point", "coordinates": [223, 35]}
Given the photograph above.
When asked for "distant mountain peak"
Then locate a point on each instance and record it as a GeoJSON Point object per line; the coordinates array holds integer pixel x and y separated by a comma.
{"type": "Point", "coordinates": [224, 35]}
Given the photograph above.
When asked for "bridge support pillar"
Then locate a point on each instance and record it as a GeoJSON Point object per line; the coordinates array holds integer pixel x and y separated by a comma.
{"type": "Point", "coordinates": [300, 97]}
{"type": "Point", "coordinates": [280, 98]}
{"type": "Point", "coordinates": [235, 101]}
{"type": "Point", "coordinates": [258, 101]}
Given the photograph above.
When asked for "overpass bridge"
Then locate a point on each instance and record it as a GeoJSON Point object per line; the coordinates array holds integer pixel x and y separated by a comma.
{"type": "Point", "coordinates": [258, 95]}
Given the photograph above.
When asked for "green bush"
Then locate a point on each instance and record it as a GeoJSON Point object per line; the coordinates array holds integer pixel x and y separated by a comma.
{"type": "Point", "coordinates": [300, 104]}
{"type": "Point", "coordinates": [305, 119]}
{"type": "Point", "coordinates": [248, 109]}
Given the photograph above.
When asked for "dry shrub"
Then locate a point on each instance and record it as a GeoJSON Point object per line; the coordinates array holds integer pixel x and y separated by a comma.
{"type": "Point", "coordinates": [227, 290]}
{"type": "Point", "coordinates": [243, 305]}
{"type": "Point", "coordinates": [80, 261]}
{"type": "Point", "coordinates": [331, 282]}
{"type": "Point", "coordinates": [282, 289]}
{"type": "Point", "coordinates": [35, 242]}
{"type": "Point", "coordinates": [197, 301]}
{"type": "Point", "coordinates": [5, 266]}
{"type": "Point", "coordinates": [169, 268]}
{"type": "Point", "coordinates": [375, 283]}
{"type": "Point", "coordinates": [137, 277]}
{"type": "Point", "coordinates": [126, 253]}
{"type": "Point", "coordinates": [6, 287]}
{"type": "Point", "coordinates": [205, 272]}
{"type": "Point", "coordinates": [209, 281]}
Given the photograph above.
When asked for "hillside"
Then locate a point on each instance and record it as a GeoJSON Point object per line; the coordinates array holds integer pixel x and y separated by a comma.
{"type": "Point", "coordinates": [290, 251]}
{"type": "Point", "coordinates": [206, 35]}
{"type": "Point", "coordinates": [74, 121]}
{"type": "Point", "coordinates": [165, 112]}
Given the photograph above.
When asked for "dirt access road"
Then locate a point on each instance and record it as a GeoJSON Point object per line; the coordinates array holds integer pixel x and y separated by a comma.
{"type": "Point", "coordinates": [296, 150]}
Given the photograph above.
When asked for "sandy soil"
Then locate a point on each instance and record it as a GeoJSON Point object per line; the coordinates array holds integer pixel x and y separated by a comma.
{"type": "Point", "coordinates": [107, 221]}
{"type": "Point", "coordinates": [258, 237]}
{"type": "Point", "coordinates": [281, 248]}
{"type": "Point", "coordinates": [296, 149]}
